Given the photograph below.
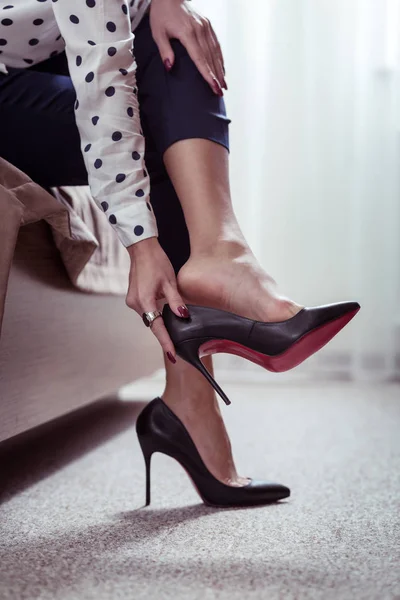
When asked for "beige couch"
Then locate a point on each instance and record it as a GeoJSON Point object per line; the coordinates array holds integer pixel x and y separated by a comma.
{"type": "Point", "coordinates": [60, 347]}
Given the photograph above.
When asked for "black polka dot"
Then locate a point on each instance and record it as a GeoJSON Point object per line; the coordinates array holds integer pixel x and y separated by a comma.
{"type": "Point", "coordinates": [111, 26]}
{"type": "Point", "coordinates": [138, 230]}
{"type": "Point", "coordinates": [3, 42]}
{"type": "Point", "coordinates": [33, 42]}
{"type": "Point", "coordinates": [144, 173]}
{"type": "Point", "coordinates": [112, 219]}
{"type": "Point", "coordinates": [97, 163]}
{"type": "Point", "coordinates": [123, 71]}
{"type": "Point", "coordinates": [104, 206]}
{"type": "Point", "coordinates": [116, 136]}
{"type": "Point", "coordinates": [90, 3]}
{"type": "Point", "coordinates": [76, 104]}
{"type": "Point", "coordinates": [111, 51]}
{"type": "Point", "coordinates": [135, 155]}
{"type": "Point", "coordinates": [8, 6]}
{"type": "Point", "coordinates": [38, 22]}
{"type": "Point", "coordinates": [110, 91]}
{"type": "Point", "coordinates": [91, 43]}
{"type": "Point", "coordinates": [129, 110]}
{"type": "Point", "coordinates": [54, 53]}
{"type": "Point", "coordinates": [54, 0]}
{"type": "Point", "coordinates": [42, 0]}
{"type": "Point", "coordinates": [89, 77]}
{"type": "Point", "coordinates": [28, 61]}
{"type": "Point", "coordinates": [74, 19]}
{"type": "Point", "coordinates": [120, 177]}
{"type": "Point", "coordinates": [78, 61]}
{"type": "Point", "coordinates": [87, 147]}
{"type": "Point", "coordinates": [148, 205]}
{"type": "Point", "coordinates": [132, 3]}
{"type": "Point", "coordinates": [95, 120]}
{"type": "Point", "coordinates": [139, 193]}
{"type": "Point", "coordinates": [124, 9]}
{"type": "Point", "coordinates": [7, 22]}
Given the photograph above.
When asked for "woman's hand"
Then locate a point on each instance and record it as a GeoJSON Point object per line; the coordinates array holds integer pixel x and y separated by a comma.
{"type": "Point", "coordinates": [152, 278]}
{"type": "Point", "coordinates": [176, 19]}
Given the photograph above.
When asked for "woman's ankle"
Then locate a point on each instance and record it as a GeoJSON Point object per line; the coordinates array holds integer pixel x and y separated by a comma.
{"type": "Point", "coordinates": [202, 418]}
{"type": "Point", "coordinates": [191, 403]}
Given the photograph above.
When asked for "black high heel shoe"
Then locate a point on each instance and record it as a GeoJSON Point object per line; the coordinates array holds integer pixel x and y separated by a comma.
{"type": "Point", "coordinates": [276, 346]}
{"type": "Point", "coordinates": [160, 430]}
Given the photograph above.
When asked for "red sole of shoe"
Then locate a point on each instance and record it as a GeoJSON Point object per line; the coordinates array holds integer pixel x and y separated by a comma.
{"type": "Point", "coordinates": [304, 347]}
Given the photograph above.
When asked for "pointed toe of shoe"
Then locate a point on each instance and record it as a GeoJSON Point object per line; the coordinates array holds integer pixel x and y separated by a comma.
{"type": "Point", "coordinates": [330, 312]}
{"type": "Point", "coordinates": [257, 492]}
{"type": "Point", "coordinates": [267, 491]}
{"type": "Point", "coordinates": [348, 307]}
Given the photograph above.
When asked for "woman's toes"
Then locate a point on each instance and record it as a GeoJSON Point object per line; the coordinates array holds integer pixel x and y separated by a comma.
{"type": "Point", "coordinates": [237, 481]}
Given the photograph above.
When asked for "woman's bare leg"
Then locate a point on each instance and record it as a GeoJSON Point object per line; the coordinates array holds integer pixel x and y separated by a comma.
{"type": "Point", "coordinates": [222, 270]}
{"type": "Point", "coordinates": [189, 395]}
{"type": "Point", "coordinates": [193, 400]}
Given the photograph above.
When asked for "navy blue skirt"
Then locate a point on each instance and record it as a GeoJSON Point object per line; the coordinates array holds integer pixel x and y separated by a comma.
{"type": "Point", "coordinates": [40, 137]}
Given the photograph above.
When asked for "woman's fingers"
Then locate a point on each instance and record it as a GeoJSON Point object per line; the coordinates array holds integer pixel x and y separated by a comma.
{"type": "Point", "coordinates": [175, 300]}
{"type": "Point", "coordinates": [177, 306]}
{"type": "Point", "coordinates": [140, 305]}
{"type": "Point", "coordinates": [212, 50]}
{"type": "Point", "coordinates": [151, 279]}
{"type": "Point", "coordinates": [161, 333]}
{"type": "Point", "coordinates": [165, 49]}
{"type": "Point", "coordinates": [218, 54]}
{"type": "Point", "coordinates": [178, 20]}
{"type": "Point", "coordinates": [201, 57]}
{"type": "Point", "coordinates": [206, 44]}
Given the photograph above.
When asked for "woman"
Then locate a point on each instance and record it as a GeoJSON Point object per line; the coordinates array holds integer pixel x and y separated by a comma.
{"type": "Point", "coordinates": [71, 85]}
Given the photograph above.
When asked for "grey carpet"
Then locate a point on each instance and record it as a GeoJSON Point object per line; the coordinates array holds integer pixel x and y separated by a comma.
{"type": "Point", "coordinates": [73, 524]}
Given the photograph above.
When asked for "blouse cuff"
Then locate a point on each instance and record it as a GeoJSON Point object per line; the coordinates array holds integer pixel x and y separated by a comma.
{"type": "Point", "coordinates": [146, 226]}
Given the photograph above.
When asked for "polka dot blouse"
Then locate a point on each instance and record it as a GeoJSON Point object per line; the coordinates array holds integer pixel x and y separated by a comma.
{"type": "Point", "coordinates": [98, 40]}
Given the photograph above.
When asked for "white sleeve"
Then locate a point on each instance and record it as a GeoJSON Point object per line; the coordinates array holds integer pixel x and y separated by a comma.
{"type": "Point", "coordinates": [99, 48]}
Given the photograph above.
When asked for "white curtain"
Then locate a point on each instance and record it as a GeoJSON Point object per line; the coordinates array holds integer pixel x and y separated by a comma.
{"type": "Point", "coordinates": [314, 97]}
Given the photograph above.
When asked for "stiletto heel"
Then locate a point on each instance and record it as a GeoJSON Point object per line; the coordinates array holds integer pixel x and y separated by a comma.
{"type": "Point", "coordinates": [160, 430]}
{"type": "Point", "coordinates": [147, 460]}
{"type": "Point", "coordinates": [275, 346]}
{"type": "Point", "coordinates": [189, 351]}
{"type": "Point", "coordinates": [147, 454]}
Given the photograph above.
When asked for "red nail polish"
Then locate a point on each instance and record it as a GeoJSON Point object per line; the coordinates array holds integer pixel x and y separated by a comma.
{"type": "Point", "coordinates": [167, 64]}
{"type": "Point", "coordinates": [216, 87]}
{"type": "Point", "coordinates": [183, 311]}
{"type": "Point", "coordinates": [171, 357]}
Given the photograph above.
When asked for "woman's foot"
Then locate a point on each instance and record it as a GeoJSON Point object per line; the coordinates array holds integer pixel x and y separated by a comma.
{"type": "Point", "coordinates": [194, 402]}
{"type": "Point", "coordinates": [230, 278]}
